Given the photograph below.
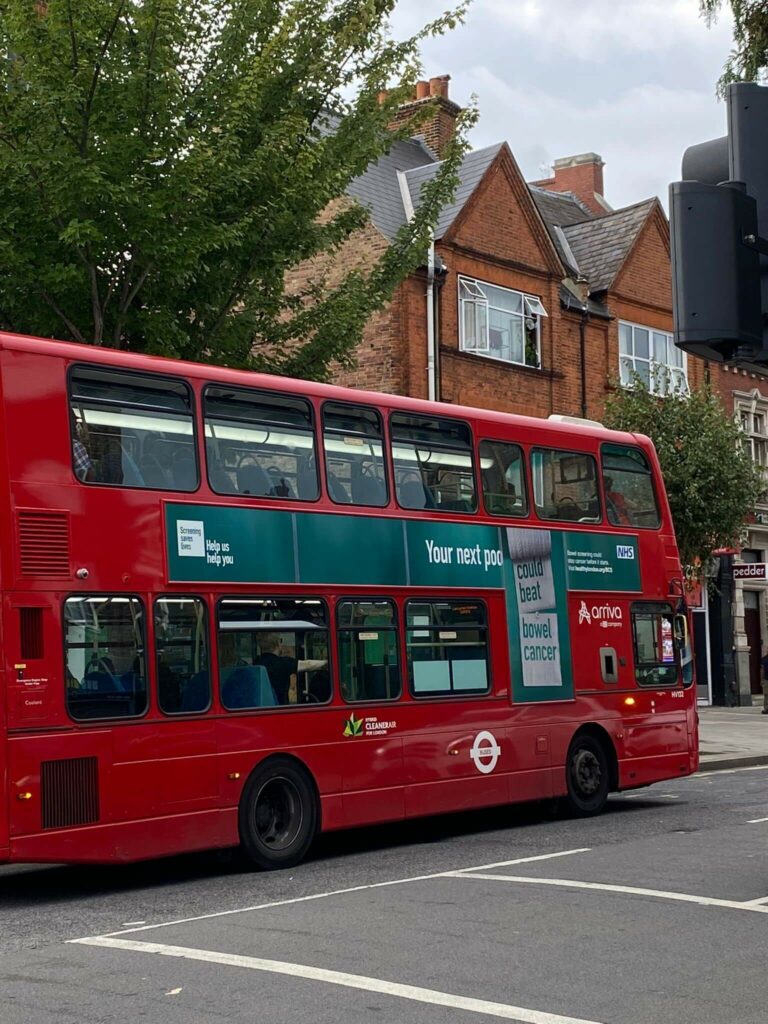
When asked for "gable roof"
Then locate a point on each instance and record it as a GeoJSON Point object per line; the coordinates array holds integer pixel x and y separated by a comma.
{"type": "Point", "coordinates": [379, 189]}
{"type": "Point", "coordinates": [473, 167]}
{"type": "Point", "coordinates": [601, 245]}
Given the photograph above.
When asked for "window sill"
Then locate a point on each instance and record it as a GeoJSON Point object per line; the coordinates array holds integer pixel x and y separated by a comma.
{"type": "Point", "coordinates": [533, 371]}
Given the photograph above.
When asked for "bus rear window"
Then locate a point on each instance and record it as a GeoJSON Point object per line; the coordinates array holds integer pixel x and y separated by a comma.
{"type": "Point", "coordinates": [433, 463]}
{"type": "Point", "coordinates": [105, 657]}
{"type": "Point", "coordinates": [131, 430]}
{"type": "Point", "coordinates": [630, 499]}
{"type": "Point", "coordinates": [565, 485]}
{"type": "Point", "coordinates": [260, 444]}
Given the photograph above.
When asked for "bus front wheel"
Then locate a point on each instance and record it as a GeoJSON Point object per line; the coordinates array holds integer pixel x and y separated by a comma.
{"type": "Point", "coordinates": [278, 815]}
{"type": "Point", "coordinates": [586, 773]}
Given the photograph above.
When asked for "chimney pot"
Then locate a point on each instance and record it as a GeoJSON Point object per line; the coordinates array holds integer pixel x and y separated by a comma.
{"type": "Point", "coordinates": [422, 90]}
{"type": "Point", "coordinates": [382, 97]}
{"type": "Point", "coordinates": [439, 86]}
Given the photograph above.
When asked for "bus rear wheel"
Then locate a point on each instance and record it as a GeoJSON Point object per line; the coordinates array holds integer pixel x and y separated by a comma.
{"type": "Point", "coordinates": [278, 815]}
{"type": "Point", "coordinates": [586, 774]}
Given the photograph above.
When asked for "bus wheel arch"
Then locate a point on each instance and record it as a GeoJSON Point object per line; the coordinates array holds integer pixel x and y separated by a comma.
{"type": "Point", "coordinates": [591, 770]}
{"type": "Point", "coordinates": [279, 813]}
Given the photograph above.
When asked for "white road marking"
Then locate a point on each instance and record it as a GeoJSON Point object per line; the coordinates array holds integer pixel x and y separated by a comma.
{"type": "Point", "coordinates": [757, 903]}
{"type": "Point", "coordinates": [570, 883]}
{"type": "Point", "coordinates": [731, 771]}
{"type": "Point", "coordinates": [343, 892]}
{"type": "Point", "coordinates": [413, 993]}
{"type": "Point", "coordinates": [756, 821]}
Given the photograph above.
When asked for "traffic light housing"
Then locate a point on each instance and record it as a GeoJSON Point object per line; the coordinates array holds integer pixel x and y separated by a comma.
{"type": "Point", "coordinates": [719, 227]}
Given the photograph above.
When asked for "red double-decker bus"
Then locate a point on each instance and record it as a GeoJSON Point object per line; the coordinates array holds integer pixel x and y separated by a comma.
{"type": "Point", "coordinates": [239, 609]}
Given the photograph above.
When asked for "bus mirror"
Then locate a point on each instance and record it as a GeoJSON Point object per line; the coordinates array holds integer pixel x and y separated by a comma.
{"type": "Point", "coordinates": [681, 631]}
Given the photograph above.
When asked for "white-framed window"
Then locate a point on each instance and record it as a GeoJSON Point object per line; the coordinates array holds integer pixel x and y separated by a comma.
{"type": "Point", "coordinates": [755, 439]}
{"type": "Point", "coordinates": [653, 356]}
{"type": "Point", "coordinates": [500, 323]}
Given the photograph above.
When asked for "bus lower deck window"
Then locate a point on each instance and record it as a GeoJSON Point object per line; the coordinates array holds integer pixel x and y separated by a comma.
{"type": "Point", "coordinates": [369, 664]}
{"type": "Point", "coordinates": [656, 661]}
{"type": "Point", "coordinates": [273, 652]}
{"type": "Point", "coordinates": [181, 652]}
{"type": "Point", "coordinates": [447, 644]}
{"type": "Point", "coordinates": [104, 650]}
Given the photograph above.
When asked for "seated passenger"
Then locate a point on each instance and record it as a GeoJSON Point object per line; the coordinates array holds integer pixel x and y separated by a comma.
{"type": "Point", "coordinates": [282, 668]}
{"type": "Point", "coordinates": [618, 510]}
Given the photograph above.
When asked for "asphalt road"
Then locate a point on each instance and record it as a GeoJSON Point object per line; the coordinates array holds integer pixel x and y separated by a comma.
{"type": "Point", "coordinates": [655, 912]}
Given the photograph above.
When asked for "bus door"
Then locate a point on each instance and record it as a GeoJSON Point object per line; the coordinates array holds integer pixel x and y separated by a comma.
{"type": "Point", "coordinates": [371, 684]}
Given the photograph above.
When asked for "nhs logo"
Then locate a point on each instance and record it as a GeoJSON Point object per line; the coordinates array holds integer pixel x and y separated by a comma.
{"type": "Point", "coordinates": [625, 551]}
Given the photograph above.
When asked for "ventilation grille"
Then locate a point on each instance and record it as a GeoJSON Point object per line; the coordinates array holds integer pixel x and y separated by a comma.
{"type": "Point", "coordinates": [44, 543]}
{"type": "Point", "coordinates": [70, 792]}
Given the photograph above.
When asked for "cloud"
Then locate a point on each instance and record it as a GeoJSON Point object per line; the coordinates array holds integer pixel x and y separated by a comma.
{"type": "Point", "coordinates": [633, 80]}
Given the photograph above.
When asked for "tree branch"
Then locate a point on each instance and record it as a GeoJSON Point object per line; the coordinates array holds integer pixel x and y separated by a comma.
{"type": "Point", "coordinates": [96, 75]}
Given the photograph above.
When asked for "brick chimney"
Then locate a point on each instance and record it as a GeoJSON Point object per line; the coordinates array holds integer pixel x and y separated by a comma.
{"type": "Point", "coordinates": [440, 126]}
{"type": "Point", "coordinates": [582, 175]}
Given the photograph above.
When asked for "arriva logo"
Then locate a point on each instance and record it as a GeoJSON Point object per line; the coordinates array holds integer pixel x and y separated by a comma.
{"type": "Point", "coordinates": [625, 551]}
{"type": "Point", "coordinates": [605, 614]}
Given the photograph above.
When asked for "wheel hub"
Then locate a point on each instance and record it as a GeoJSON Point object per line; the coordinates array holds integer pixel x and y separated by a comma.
{"type": "Point", "coordinates": [586, 772]}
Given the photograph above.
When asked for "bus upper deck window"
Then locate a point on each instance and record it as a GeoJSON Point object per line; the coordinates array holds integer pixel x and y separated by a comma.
{"type": "Point", "coordinates": [132, 430]}
{"type": "Point", "coordinates": [354, 457]}
{"type": "Point", "coordinates": [260, 444]}
{"type": "Point", "coordinates": [502, 469]}
{"type": "Point", "coordinates": [565, 485]}
{"type": "Point", "coordinates": [433, 463]}
{"type": "Point", "coordinates": [630, 498]}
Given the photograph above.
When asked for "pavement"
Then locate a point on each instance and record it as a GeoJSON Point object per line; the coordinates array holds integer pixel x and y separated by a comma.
{"type": "Point", "coordinates": [732, 737]}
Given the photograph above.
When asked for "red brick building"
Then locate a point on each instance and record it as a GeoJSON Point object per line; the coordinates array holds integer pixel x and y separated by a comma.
{"type": "Point", "coordinates": [542, 297]}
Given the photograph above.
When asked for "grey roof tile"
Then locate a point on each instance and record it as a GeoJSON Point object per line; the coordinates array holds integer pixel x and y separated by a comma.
{"type": "Point", "coordinates": [378, 187]}
{"type": "Point", "coordinates": [601, 245]}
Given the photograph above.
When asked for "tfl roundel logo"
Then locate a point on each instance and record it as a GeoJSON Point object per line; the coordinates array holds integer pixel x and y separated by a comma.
{"type": "Point", "coordinates": [485, 752]}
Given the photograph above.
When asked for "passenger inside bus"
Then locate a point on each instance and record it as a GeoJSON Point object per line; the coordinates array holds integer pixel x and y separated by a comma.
{"type": "Point", "coordinates": [619, 510]}
{"type": "Point", "coordinates": [283, 668]}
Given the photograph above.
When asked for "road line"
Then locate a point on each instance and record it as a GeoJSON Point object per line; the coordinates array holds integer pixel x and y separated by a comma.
{"type": "Point", "coordinates": [569, 883]}
{"type": "Point", "coordinates": [757, 903]}
{"type": "Point", "coordinates": [756, 821]}
{"type": "Point", "coordinates": [341, 892]}
{"type": "Point", "coordinates": [413, 993]}
{"type": "Point", "coordinates": [731, 771]}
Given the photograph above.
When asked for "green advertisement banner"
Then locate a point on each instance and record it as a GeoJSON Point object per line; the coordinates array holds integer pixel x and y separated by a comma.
{"type": "Point", "coordinates": [535, 568]}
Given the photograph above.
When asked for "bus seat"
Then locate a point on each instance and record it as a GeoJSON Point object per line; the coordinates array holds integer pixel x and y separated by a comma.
{"type": "Point", "coordinates": [196, 694]}
{"type": "Point", "coordinates": [153, 472]}
{"type": "Point", "coordinates": [252, 479]}
{"type": "Point", "coordinates": [336, 489]}
{"type": "Point", "coordinates": [248, 686]}
{"type": "Point", "coordinates": [413, 494]}
{"type": "Point", "coordinates": [131, 473]}
{"type": "Point", "coordinates": [184, 470]}
{"type": "Point", "coordinates": [103, 682]}
{"type": "Point", "coordinates": [306, 482]}
{"type": "Point", "coordinates": [368, 490]}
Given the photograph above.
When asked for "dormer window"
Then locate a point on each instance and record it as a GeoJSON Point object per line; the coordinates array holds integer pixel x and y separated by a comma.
{"type": "Point", "coordinates": [500, 323]}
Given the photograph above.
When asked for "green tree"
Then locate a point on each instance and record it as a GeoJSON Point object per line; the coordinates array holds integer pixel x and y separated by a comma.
{"type": "Point", "coordinates": [164, 165]}
{"type": "Point", "coordinates": [748, 60]}
{"type": "Point", "coordinates": [711, 482]}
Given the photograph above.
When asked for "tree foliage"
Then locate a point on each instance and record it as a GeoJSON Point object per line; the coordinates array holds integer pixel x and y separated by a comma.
{"type": "Point", "coordinates": [748, 61]}
{"type": "Point", "coordinates": [164, 165]}
{"type": "Point", "coordinates": [711, 482]}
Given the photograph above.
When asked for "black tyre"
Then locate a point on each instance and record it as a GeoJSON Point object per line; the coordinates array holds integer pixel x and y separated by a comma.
{"type": "Point", "coordinates": [586, 775]}
{"type": "Point", "coordinates": [278, 815]}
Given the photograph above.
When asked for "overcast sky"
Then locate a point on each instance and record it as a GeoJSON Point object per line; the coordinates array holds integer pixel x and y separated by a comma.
{"type": "Point", "coordinates": [632, 80]}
